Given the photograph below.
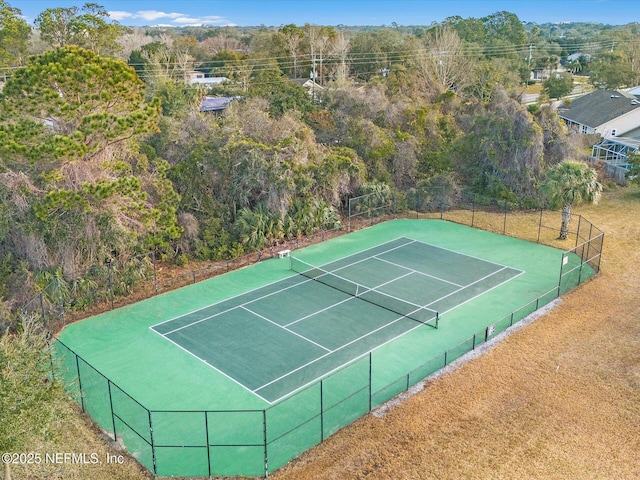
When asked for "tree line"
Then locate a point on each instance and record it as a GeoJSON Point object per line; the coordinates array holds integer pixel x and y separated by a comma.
{"type": "Point", "coordinates": [104, 153]}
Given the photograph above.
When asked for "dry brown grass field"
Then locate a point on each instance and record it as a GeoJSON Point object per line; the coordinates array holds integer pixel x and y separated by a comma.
{"type": "Point", "coordinates": [557, 399]}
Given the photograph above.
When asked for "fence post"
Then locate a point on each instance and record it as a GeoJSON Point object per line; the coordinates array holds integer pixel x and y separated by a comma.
{"type": "Point", "coordinates": [80, 383]}
{"type": "Point", "coordinates": [153, 447]}
{"type": "Point", "coordinates": [600, 252]}
{"type": "Point", "coordinates": [206, 433]}
{"type": "Point", "coordinates": [155, 277]}
{"type": "Point", "coordinates": [540, 225]}
{"type": "Point", "coordinates": [108, 262]}
{"type": "Point", "coordinates": [504, 226]}
{"type": "Point", "coordinates": [266, 458]}
{"type": "Point", "coordinates": [370, 380]}
{"type": "Point", "coordinates": [60, 300]}
{"type": "Point", "coordinates": [321, 411]}
{"type": "Point", "coordinates": [564, 254]}
{"type": "Point", "coordinates": [113, 418]}
{"type": "Point", "coordinates": [473, 213]}
{"type": "Point", "coordinates": [578, 230]}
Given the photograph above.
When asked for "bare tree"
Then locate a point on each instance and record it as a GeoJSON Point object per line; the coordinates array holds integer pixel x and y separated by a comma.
{"type": "Point", "coordinates": [341, 48]}
{"type": "Point", "coordinates": [132, 41]}
{"type": "Point", "coordinates": [320, 39]}
{"type": "Point", "coordinates": [292, 36]}
{"type": "Point", "coordinates": [442, 62]}
{"type": "Point", "coordinates": [221, 43]}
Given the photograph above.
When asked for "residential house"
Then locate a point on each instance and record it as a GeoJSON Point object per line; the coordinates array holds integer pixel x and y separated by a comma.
{"type": "Point", "coordinates": [615, 115]}
{"type": "Point", "coordinates": [610, 113]}
{"type": "Point", "coordinates": [309, 85]}
{"type": "Point", "coordinates": [200, 78]}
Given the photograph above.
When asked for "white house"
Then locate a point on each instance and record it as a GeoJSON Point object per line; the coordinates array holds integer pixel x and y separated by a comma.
{"type": "Point", "coordinates": [611, 113]}
{"type": "Point", "coordinates": [615, 115]}
{"type": "Point", "coordinates": [201, 78]}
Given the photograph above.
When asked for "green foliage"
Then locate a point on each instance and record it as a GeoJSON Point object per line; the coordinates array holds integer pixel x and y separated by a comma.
{"type": "Point", "coordinates": [14, 36]}
{"type": "Point", "coordinates": [633, 175]}
{"type": "Point", "coordinates": [501, 155]}
{"type": "Point", "coordinates": [161, 219]}
{"type": "Point", "coordinates": [558, 85]}
{"type": "Point", "coordinates": [374, 145]}
{"type": "Point", "coordinates": [85, 27]}
{"type": "Point", "coordinates": [567, 184]}
{"type": "Point", "coordinates": [216, 242]}
{"type": "Point", "coordinates": [283, 94]}
{"type": "Point", "coordinates": [31, 401]}
{"type": "Point", "coordinates": [91, 103]}
{"type": "Point", "coordinates": [571, 183]}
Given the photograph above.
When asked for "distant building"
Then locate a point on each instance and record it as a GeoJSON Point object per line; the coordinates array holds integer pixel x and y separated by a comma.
{"type": "Point", "coordinates": [216, 104]}
{"type": "Point", "coordinates": [610, 113]}
{"type": "Point", "coordinates": [200, 78]}
{"type": "Point", "coordinates": [615, 115]}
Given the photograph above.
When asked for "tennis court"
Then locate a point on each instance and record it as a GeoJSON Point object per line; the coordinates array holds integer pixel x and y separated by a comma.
{"type": "Point", "coordinates": [277, 339]}
{"type": "Point", "coordinates": [239, 374]}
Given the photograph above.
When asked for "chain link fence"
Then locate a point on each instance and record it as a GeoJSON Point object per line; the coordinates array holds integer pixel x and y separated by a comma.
{"type": "Point", "coordinates": [258, 442]}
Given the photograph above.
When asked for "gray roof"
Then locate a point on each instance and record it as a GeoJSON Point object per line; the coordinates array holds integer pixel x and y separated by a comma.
{"type": "Point", "coordinates": [599, 107]}
{"type": "Point", "coordinates": [215, 104]}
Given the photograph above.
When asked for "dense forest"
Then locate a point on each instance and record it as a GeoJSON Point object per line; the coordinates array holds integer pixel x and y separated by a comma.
{"type": "Point", "coordinates": [104, 152]}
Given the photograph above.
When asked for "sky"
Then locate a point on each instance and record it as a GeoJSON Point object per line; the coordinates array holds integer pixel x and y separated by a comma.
{"type": "Point", "coordinates": [341, 12]}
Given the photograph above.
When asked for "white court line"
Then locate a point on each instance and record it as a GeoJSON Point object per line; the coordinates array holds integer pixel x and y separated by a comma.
{"type": "Point", "coordinates": [386, 325]}
{"type": "Point", "coordinates": [320, 311]}
{"type": "Point", "coordinates": [336, 350]}
{"type": "Point", "coordinates": [485, 291]}
{"type": "Point", "coordinates": [285, 328]}
{"type": "Point", "coordinates": [464, 254]}
{"type": "Point", "coordinates": [329, 352]}
{"type": "Point", "coordinates": [417, 271]}
{"type": "Point", "coordinates": [211, 366]}
{"type": "Point", "coordinates": [270, 284]}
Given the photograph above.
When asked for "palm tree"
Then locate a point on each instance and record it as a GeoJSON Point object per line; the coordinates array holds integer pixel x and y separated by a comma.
{"type": "Point", "coordinates": [570, 183]}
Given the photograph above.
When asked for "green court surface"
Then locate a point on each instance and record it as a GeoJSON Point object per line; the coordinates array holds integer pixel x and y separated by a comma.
{"type": "Point", "coordinates": [265, 362]}
{"type": "Point", "coordinates": [279, 338]}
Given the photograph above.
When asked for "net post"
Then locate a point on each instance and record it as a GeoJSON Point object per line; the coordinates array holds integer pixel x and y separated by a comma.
{"type": "Point", "coordinates": [437, 319]}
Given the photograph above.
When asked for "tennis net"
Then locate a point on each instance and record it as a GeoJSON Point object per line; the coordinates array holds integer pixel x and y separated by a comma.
{"type": "Point", "coordinates": [412, 311]}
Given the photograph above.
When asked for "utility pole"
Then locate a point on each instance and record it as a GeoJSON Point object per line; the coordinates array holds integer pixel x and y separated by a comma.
{"type": "Point", "coordinates": [313, 76]}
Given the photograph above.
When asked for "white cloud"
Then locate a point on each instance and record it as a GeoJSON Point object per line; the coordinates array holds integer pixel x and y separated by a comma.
{"type": "Point", "coordinates": [156, 15]}
{"type": "Point", "coordinates": [177, 19]}
{"type": "Point", "coordinates": [118, 16]}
